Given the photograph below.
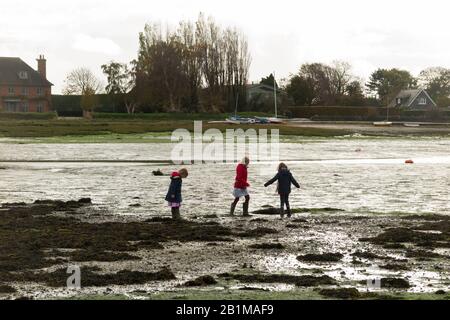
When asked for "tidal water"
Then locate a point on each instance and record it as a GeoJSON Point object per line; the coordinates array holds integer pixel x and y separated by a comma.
{"type": "Point", "coordinates": [358, 175]}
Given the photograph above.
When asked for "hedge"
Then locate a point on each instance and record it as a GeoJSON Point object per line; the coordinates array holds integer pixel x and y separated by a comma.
{"type": "Point", "coordinates": [173, 116]}
{"type": "Point", "coordinates": [27, 115]}
{"type": "Point", "coordinates": [70, 105]}
{"type": "Point", "coordinates": [338, 113]}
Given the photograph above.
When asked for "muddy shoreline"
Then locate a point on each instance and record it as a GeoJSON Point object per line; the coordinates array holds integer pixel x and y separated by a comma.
{"type": "Point", "coordinates": [316, 254]}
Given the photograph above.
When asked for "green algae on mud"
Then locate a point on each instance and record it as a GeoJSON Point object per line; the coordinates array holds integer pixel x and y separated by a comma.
{"type": "Point", "coordinates": [92, 278]}
{"type": "Point", "coordinates": [368, 255]}
{"type": "Point", "coordinates": [393, 283]}
{"type": "Point", "coordinates": [267, 246]}
{"type": "Point", "coordinates": [226, 243]}
{"type": "Point", "coordinates": [249, 294]}
{"type": "Point", "coordinates": [341, 293]}
{"type": "Point", "coordinates": [434, 234]}
{"type": "Point", "coordinates": [84, 255]}
{"type": "Point", "coordinates": [5, 289]}
{"type": "Point", "coordinates": [201, 281]}
{"type": "Point", "coordinates": [269, 210]}
{"type": "Point", "coordinates": [323, 257]}
{"type": "Point", "coordinates": [395, 267]}
{"type": "Point", "coordinates": [301, 281]}
{"type": "Point", "coordinates": [31, 236]}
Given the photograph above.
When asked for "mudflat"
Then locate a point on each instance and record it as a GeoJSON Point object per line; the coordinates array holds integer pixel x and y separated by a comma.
{"type": "Point", "coordinates": [329, 254]}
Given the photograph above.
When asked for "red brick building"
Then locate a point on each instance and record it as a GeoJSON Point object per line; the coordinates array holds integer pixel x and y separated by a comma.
{"type": "Point", "coordinates": [23, 89]}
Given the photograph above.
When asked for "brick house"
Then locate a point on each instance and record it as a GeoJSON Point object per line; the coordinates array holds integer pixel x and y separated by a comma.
{"type": "Point", "coordinates": [23, 89]}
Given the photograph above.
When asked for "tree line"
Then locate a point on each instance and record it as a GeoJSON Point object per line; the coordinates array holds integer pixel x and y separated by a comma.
{"type": "Point", "coordinates": [334, 84]}
{"type": "Point", "coordinates": [196, 67]}
{"type": "Point", "coordinates": [199, 66]}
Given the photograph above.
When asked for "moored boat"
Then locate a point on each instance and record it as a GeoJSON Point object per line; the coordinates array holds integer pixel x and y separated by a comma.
{"type": "Point", "coordinates": [382, 124]}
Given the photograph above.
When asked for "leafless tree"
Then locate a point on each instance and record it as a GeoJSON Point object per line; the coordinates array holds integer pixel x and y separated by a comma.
{"type": "Point", "coordinates": [160, 58]}
{"type": "Point", "coordinates": [192, 63]}
{"type": "Point", "coordinates": [195, 65]}
{"type": "Point", "coordinates": [340, 77]}
{"type": "Point", "coordinates": [82, 81]}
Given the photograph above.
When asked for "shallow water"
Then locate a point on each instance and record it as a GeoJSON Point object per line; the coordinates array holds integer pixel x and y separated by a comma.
{"type": "Point", "coordinates": [357, 175]}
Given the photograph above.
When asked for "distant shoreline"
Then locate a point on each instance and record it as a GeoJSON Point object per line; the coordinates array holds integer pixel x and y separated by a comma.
{"type": "Point", "coordinates": [397, 128]}
{"type": "Point", "coordinates": [108, 130]}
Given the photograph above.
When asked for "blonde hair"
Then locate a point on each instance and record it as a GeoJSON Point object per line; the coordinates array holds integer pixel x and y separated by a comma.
{"type": "Point", "coordinates": [183, 172]}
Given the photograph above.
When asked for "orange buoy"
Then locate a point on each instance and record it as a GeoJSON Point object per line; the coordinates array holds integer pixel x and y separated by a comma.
{"type": "Point", "coordinates": [409, 161]}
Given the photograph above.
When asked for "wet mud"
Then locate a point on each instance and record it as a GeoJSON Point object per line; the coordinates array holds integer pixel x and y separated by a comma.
{"type": "Point", "coordinates": [268, 246]}
{"type": "Point", "coordinates": [201, 281]}
{"type": "Point", "coordinates": [331, 252]}
{"type": "Point", "coordinates": [324, 257]}
{"type": "Point", "coordinates": [301, 281]}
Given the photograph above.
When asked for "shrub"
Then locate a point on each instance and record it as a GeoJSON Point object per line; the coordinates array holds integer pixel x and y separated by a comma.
{"type": "Point", "coordinates": [27, 115]}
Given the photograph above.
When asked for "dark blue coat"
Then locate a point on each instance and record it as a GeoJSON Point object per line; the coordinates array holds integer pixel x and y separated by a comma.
{"type": "Point", "coordinates": [174, 193]}
{"type": "Point", "coordinates": [285, 179]}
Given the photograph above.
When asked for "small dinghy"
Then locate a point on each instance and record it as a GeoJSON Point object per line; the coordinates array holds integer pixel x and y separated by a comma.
{"type": "Point", "coordinates": [275, 120]}
{"type": "Point", "coordinates": [382, 124]}
{"type": "Point", "coordinates": [415, 125]}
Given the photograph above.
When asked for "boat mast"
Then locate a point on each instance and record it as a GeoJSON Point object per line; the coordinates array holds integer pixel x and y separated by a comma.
{"type": "Point", "coordinates": [235, 109]}
{"type": "Point", "coordinates": [275, 94]}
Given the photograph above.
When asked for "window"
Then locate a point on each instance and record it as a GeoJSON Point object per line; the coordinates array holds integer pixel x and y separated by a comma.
{"type": "Point", "coordinates": [23, 75]}
{"type": "Point", "coordinates": [24, 106]}
{"type": "Point", "coordinates": [11, 90]}
{"type": "Point", "coordinates": [24, 91]}
{"type": "Point", "coordinates": [40, 107]}
{"type": "Point", "coordinates": [423, 101]}
{"type": "Point", "coordinates": [40, 92]}
{"type": "Point", "coordinates": [10, 107]}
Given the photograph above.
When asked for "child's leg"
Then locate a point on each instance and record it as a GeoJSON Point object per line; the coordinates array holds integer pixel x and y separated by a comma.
{"type": "Point", "coordinates": [288, 207]}
{"type": "Point", "coordinates": [233, 206]}
{"type": "Point", "coordinates": [245, 205]}
{"type": "Point", "coordinates": [282, 205]}
{"type": "Point", "coordinates": [176, 213]}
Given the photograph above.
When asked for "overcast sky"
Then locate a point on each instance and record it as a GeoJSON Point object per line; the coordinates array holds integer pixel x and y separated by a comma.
{"type": "Point", "coordinates": [282, 34]}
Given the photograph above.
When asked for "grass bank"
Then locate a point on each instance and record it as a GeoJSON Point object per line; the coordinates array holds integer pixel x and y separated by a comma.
{"type": "Point", "coordinates": [79, 127]}
{"type": "Point", "coordinates": [174, 116]}
{"type": "Point", "coordinates": [150, 127]}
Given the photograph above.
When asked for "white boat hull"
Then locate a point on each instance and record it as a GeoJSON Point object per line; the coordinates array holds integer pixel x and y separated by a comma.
{"type": "Point", "coordinates": [229, 121]}
{"type": "Point", "coordinates": [382, 124]}
{"type": "Point", "coordinates": [415, 125]}
{"type": "Point", "coordinates": [275, 120]}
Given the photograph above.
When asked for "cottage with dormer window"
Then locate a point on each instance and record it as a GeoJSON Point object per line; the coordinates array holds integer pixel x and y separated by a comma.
{"type": "Point", "coordinates": [417, 99]}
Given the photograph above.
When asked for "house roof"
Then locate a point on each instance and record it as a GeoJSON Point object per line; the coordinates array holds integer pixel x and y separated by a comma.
{"type": "Point", "coordinates": [261, 86]}
{"type": "Point", "coordinates": [9, 73]}
{"type": "Point", "coordinates": [408, 97]}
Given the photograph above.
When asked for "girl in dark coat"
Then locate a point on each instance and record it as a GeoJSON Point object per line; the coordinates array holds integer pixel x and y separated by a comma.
{"type": "Point", "coordinates": [173, 196]}
{"type": "Point", "coordinates": [285, 179]}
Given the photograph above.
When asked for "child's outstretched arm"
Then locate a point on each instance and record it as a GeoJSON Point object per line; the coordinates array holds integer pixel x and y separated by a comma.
{"type": "Point", "coordinates": [294, 182]}
{"type": "Point", "coordinates": [268, 183]}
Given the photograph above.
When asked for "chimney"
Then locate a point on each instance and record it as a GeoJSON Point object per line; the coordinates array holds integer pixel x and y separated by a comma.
{"type": "Point", "coordinates": [42, 66]}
